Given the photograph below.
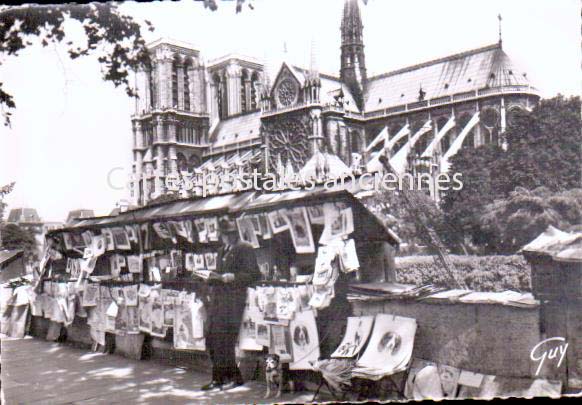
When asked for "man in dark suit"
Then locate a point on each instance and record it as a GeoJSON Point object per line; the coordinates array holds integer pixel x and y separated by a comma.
{"type": "Point", "coordinates": [238, 270]}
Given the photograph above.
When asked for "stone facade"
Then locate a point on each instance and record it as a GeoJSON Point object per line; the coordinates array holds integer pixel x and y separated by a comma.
{"type": "Point", "coordinates": [194, 117]}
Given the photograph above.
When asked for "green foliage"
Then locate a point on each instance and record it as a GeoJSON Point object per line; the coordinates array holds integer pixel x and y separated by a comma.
{"type": "Point", "coordinates": [544, 147]}
{"type": "Point", "coordinates": [16, 237]}
{"type": "Point", "coordinates": [4, 190]}
{"type": "Point", "coordinates": [392, 209]}
{"type": "Point", "coordinates": [480, 273]}
{"type": "Point", "coordinates": [544, 150]}
{"type": "Point", "coordinates": [462, 208]}
{"type": "Point", "coordinates": [513, 222]}
{"type": "Point", "coordinates": [114, 37]}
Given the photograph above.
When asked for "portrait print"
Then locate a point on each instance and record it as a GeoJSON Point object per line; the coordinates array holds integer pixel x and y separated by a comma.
{"type": "Point", "coordinates": [300, 230]}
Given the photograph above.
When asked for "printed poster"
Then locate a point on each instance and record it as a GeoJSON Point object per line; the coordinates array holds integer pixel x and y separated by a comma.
{"type": "Point", "coordinates": [278, 221]}
{"type": "Point", "coordinates": [157, 312]}
{"type": "Point", "coordinates": [183, 325]}
{"type": "Point", "coordinates": [300, 230]}
{"type": "Point", "coordinates": [263, 334]}
{"type": "Point", "coordinates": [286, 304]}
{"type": "Point", "coordinates": [248, 330]}
{"type": "Point", "coordinates": [169, 299]}
{"type": "Point", "coordinates": [145, 309]}
{"type": "Point", "coordinates": [280, 342]}
{"type": "Point", "coordinates": [91, 295]}
{"type": "Point", "coordinates": [390, 347]}
{"type": "Point", "coordinates": [304, 341]}
{"type": "Point", "coordinates": [247, 232]}
{"type": "Point", "coordinates": [357, 332]}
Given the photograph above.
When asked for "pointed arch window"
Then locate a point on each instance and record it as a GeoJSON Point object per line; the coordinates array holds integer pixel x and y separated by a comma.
{"type": "Point", "coordinates": [187, 86]}
{"type": "Point", "coordinates": [219, 96]}
{"type": "Point", "coordinates": [174, 83]}
{"type": "Point", "coordinates": [243, 91]}
{"type": "Point", "coordinates": [152, 85]}
{"type": "Point", "coordinates": [254, 82]}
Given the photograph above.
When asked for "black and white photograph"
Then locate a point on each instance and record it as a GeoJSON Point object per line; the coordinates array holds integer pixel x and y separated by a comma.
{"type": "Point", "coordinates": [290, 201]}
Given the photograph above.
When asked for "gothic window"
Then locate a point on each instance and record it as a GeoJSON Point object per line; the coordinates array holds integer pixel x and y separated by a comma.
{"type": "Point", "coordinates": [193, 162]}
{"type": "Point", "coordinates": [490, 119]}
{"type": "Point", "coordinates": [287, 92]}
{"type": "Point", "coordinates": [356, 141]}
{"type": "Point", "coordinates": [174, 83]}
{"type": "Point", "coordinates": [219, 96]}
{"type": "Point", "coordinates": [148, 134]}
{"type": "Point", "coordinates": [445, 141]}
{"type": "Point", "coordinates": [152, 84]}
{"type": "Point", "coordinates": [182, 162]}
{"type": "Point", "coordinates": [243, 91]}
{"type": "Point", "coordinates": [469, 141]}
{"type": "Point", "coordinates": [254, 83]}
{"type": "Point", "coordinates": [181, 135]}
{"type": "Point", "coordinates": [186, 86]}
{"type": "Point", "coordinates": [422, 143]}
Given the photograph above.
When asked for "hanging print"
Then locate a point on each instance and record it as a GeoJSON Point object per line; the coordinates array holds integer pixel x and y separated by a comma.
{"type": "Point", "coordinates": [300, 230]}
{"type": "Point", "coordinates": [304, 341]}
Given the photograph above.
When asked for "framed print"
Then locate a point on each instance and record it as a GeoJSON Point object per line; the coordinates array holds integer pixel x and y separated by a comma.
{"type": "Point", "coordinates": [199, 262]}
{"type": "Point", "coordinates": [300, 230]}
{"type": "Point", "coordinates": [189, 261]}
{"type": "Point", "coordinates": [87, 237]}
{"type": "Point", "coordinates": [278, 221]}
{"type": "Point", "coordinates": [264, 225]}
{"type": "Point", "coordinates": [200, 225]}
{"type": "Point", "coordinates": [316, 215]}
{"type": "Point", "coordinates": [212, 229]}
{"type": "Point", "coordinates": [132, 233]}
{"type": "Point", "coordinates": [210, 259]}
{"type": "Point", "coordinates": [246, 231]}
{"type": "Point", "coordinates": [108, 236]}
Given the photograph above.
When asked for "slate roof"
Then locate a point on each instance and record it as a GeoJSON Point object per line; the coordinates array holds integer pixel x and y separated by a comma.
{"type": "Point", "coordinates": [237, 129]}
{"type": "Point", "coordinates": [480, 68]}
{"type": "Point", "coordinates": [19, 215]}
{"type": "Point", "coordinates": [6, 256]}
{"type": "Point", "coordinates": [330, 87]}
{"type": "Point", "coordinates": [80, 213]}
{"type": "Point", "coordinates": [561, 246]}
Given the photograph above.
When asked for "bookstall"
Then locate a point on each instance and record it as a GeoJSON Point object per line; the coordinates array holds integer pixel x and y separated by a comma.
{"type": "Point", "coordinates": [142, 273]}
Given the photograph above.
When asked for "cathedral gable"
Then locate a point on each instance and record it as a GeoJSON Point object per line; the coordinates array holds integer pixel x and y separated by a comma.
{"type": "Point", "coordinates": [287, 88]}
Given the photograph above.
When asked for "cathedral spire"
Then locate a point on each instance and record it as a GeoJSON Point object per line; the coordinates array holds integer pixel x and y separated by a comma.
{"type": "Point", "coordinates": [353, 62]}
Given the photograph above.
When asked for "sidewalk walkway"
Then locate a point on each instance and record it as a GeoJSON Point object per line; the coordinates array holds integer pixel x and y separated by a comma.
{"type": "Point", "coordinates": [37, 371]}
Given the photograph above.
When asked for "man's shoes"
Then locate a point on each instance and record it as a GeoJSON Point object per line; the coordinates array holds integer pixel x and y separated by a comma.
{"type": "Point", "coordinates": [211, 385]}
{"type": "Point", "coordinates": [232, 384]}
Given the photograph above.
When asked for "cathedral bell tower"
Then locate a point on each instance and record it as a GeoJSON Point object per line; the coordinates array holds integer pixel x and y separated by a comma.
{"type": "Point", "coordinates": [353, 62]}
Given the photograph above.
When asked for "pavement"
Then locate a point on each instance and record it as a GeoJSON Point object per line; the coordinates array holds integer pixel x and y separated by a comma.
{"type": "Point", "coordinates": [37, 371]}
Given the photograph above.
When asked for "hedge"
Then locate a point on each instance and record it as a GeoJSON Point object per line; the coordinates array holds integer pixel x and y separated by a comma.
{"type": "Point", "coordinates": [480, 273]}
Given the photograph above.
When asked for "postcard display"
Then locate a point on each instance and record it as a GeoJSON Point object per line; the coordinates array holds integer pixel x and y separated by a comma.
{"type": "Point", "coordinates": [128, 280]}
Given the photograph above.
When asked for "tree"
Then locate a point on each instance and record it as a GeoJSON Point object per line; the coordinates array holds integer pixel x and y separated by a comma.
{"type": "Point", "coordinates": [115, 38]}
{"type": "Point", "coordinates": [462, 208]}
{"type": "Point", "coordinates": [392, 209]}
{"type": "Point", "coordinates": [512, 222]}
{"type": "Point", "coordinates": [543, 151]}
{"type": "Point", "coordinates": [16, 237]}
{"type": "Point", "coordinates": [4, 190]}
{"type": "Point", "coordinates": [544, 147]}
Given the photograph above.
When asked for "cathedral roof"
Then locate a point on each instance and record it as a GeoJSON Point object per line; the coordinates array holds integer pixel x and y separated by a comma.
{"type": "Point", "coordinates": [330, 87]}
{"type": "Point", "coordinates": [239, 128]}
{"type": "Point", "coordinates": [468, 71]}
{"type": "Point", "coordinates": [23, 215]}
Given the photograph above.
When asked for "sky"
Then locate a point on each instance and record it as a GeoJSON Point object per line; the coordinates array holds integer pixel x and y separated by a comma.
{"type": "Point", "coordinates": [69, 146]}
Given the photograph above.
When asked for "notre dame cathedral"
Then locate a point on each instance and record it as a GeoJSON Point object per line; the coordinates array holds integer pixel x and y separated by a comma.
{"type": "Point", "coordinates": [194, 117]}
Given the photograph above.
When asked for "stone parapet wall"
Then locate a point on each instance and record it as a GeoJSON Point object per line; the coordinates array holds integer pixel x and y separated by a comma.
{"type": "Point", "coordinates": [490, 339]}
